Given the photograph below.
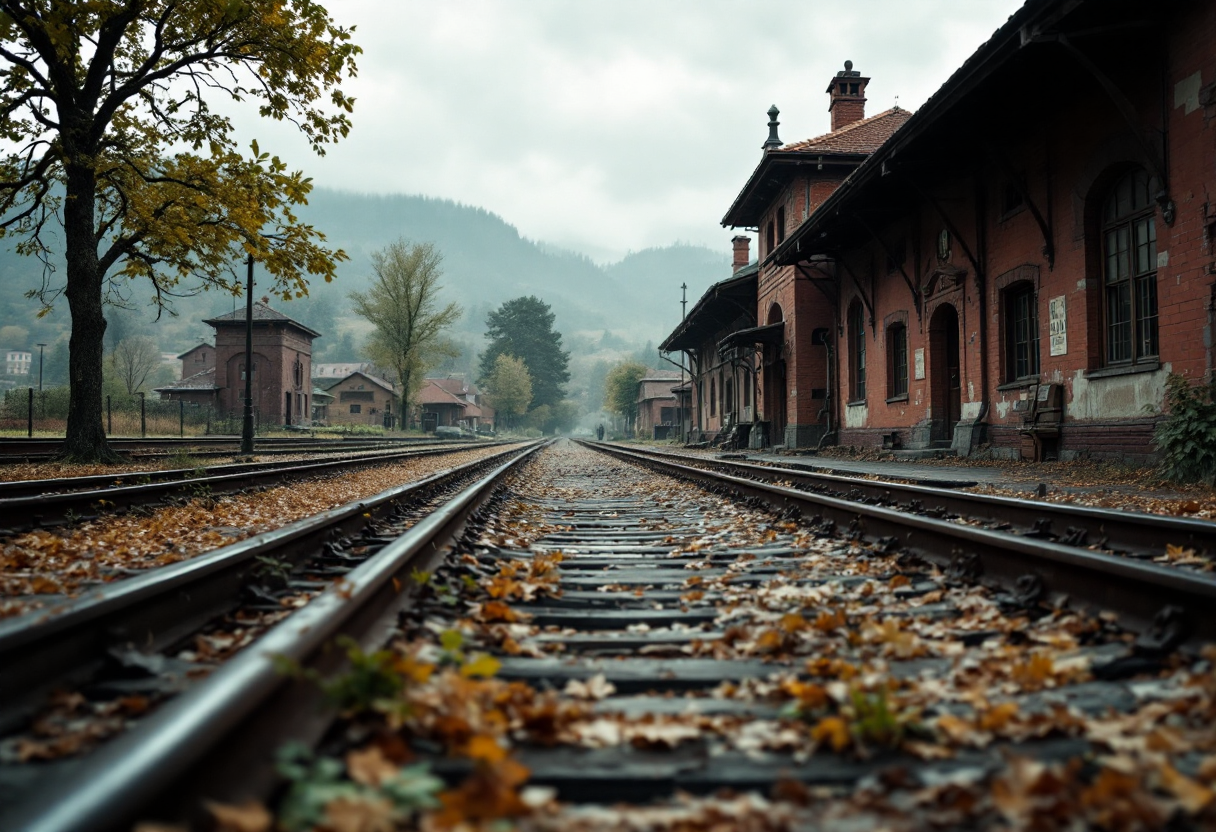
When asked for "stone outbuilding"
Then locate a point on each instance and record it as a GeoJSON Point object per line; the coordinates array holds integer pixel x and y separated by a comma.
{"type": "Point", "coordinates": [361, 399]}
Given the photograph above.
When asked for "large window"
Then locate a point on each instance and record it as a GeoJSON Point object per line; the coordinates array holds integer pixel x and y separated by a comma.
{"type": "Point", "coordinates": [1021, 332]}
{"type": "Point", "coordinates": [897, 361]}
{"type": "Point", "coordinates": [1129, 270]}
{"type": "Point", "coordinates": [857, 353]}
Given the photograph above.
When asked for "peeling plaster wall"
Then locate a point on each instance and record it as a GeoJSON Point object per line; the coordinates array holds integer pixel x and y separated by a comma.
{"type": "Point", "coordinates": [856, 416]}
{"type": "Point", "coordinates": [1116, 397]}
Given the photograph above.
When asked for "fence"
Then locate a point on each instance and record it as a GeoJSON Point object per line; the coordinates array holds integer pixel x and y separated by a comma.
{"type": "Point", "coordinates": [46, 411]}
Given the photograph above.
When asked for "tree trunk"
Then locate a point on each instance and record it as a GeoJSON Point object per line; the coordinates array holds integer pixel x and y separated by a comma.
{"type": "Point", "coordinates": [86, 437]}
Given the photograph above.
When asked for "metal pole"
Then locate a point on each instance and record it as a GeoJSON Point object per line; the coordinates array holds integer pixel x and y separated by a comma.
{"type": "Point", "coordinates": [680, 402]}
{"type": "Point", "coordinates": [40, 348]}
{"type": "Point", "coordinates": [143, 415]}
{"type": "Point", "coordinates": [247, 425]}
{"type": "Point", "coordinates": [30, 416]}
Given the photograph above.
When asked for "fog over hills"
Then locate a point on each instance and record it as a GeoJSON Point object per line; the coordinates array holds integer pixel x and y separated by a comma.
{"type": "Point", "coordinates": [624, 304]}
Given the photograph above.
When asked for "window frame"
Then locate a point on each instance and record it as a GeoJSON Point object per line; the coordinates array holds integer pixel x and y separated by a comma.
{"type": "Point", "coordinates": [897, 364]}
{"type": "Point", "coordinates": [1016, 298]}
{"type": "Point", "coordinates": [857, 353]}
{"type": "Point", "coordinates": [1132, 229]}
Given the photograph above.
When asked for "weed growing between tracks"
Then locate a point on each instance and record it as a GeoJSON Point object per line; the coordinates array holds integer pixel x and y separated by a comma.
{"type": "Point", "coordinates": [959, 708]}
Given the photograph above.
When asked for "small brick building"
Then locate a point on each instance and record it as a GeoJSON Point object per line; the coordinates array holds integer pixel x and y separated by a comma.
{"type": "Point", "coordinates": [282, 367]}
{"type": "Point", "coordinates": [656, 416]}
{"type": "Point", "coordinates": [360, 399]}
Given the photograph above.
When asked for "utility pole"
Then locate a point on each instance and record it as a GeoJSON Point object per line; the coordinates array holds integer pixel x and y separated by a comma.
{"type": "Point", "coordinates": [680, 407]}
{"type": "Point", "coordinates": [247, 425]}
{"type": "Point", "coordinates": [40, 348]}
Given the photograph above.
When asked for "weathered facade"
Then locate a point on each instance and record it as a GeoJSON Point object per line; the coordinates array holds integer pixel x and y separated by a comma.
{"type": "Point", "coordinates": [197, 360]}
{"type": "Point", "coordinates": [720, 385]}
{"type": "Point", "coordinates": [656, 415]}
{"type": "Point", "coordinates": [1022, 265]}
{"type": "Point", "coordinates": [360, 399]}
{"type": "Point", "coordinates": [282, 366]}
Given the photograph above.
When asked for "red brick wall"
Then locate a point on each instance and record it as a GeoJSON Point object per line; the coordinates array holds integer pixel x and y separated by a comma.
{"type": "Point", "coordinates": [1071, 149]}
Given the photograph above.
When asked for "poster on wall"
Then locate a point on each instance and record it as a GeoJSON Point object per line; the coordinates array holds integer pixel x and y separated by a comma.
{"type": "Point", "coordinates": [1057, 325]}
{"type": "Point", "coordinates": [918, 357]}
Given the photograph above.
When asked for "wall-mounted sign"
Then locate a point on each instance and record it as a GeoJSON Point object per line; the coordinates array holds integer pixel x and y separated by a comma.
{"type": "Point", "coordinates": [1057, 325]}
{"type": "Point", "coordinates": [918, 361]}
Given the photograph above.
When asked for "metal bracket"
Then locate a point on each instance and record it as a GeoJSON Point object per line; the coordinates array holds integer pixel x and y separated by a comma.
{"type": "Point", "coordinates": [916, 295]}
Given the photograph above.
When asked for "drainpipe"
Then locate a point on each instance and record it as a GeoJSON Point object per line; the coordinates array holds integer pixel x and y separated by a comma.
{"type": "Point", "coordinates": [981, 283]}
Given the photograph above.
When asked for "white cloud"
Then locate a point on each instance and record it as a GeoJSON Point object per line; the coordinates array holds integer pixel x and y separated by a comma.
{"type": "Point", "coordinates": [606, 127]}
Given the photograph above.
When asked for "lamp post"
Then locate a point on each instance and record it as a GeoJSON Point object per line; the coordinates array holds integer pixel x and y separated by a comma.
{"type": "Point", "coordinates": [247, 425]}
{"type": "Point", "coordinates": [40, 348]}
{"type": "Point", "coordinates": [680, 402]}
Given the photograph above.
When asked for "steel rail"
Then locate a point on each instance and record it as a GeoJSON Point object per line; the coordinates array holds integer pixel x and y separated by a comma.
{"type": "Point", "coordinates": [216, 739]}
{"type": "Point", "coordinates": [48, 509]}
{"type": "Point", "coordinates": [31, 488]}
{"type": "Point", "coordinates": [1136, 592]}
{"type": "Point", "coordinates": [1116, 530]}
{"type": "Point", "coordinates": [157, 607]}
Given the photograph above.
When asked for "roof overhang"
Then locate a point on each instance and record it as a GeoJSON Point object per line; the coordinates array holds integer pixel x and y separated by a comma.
{"type": "Point", "coordinates": [774, 173]}
{"type": "Point", "coordinates": [718, 308]}
{"type": "Point", "coordinates": [769, 334]}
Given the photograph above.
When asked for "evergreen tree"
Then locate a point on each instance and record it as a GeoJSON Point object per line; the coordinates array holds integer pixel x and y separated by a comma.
{"type": "Point", "coordinates": [523, 327]}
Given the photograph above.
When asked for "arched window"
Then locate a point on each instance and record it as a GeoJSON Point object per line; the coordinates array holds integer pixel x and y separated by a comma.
{"type": "Point", "coordinates": [857, 353]}
{"type": "Point", "coordinates": [713, 397]}
{"type": "Point", "coordinates": [897, 361]}
{"type": "Point", "coordinates": [1021, 320]}
{"type": "Point", "coordinates": [1129, 270]}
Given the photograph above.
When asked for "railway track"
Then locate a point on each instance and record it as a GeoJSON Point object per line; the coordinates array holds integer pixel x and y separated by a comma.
{"type": "Point", "coordinates": [48, 502]}
{"type": "Point", "coordinates": [13, 451]}
{"type": "Point", "coordinates": [689, 632]}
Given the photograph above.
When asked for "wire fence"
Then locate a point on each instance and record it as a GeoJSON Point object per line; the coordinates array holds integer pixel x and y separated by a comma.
{"type": "Point", "coordinates": [46, 411]}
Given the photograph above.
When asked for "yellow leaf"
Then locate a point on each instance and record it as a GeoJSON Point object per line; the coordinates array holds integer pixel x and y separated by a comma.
{"type": "Point", "coordinates": [1193, 797]}
{"type": "Point", "coordinates": [834, 731]}
{"type": "Point", "coordinates": [482, 664]}
{"type": "Point", "coordinates": [485, 748]}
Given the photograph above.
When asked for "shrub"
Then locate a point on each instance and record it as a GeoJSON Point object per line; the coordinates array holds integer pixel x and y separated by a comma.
{"type": "Point", "coordinates": [1186, 436]}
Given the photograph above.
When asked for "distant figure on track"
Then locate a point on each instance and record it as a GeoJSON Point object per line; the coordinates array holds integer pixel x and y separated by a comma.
{"type": "Point", "coordinates": [599, 432]}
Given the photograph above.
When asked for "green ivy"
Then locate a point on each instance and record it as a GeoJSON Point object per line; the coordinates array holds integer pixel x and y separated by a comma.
{"type": "Point", "coordinates": [1186, 437]}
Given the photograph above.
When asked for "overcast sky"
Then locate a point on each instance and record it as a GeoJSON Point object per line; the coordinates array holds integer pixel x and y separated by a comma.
{"type": "Point", "coordinates": [612, 126]}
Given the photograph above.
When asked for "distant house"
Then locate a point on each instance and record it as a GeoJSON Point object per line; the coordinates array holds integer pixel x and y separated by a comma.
{"type": "Point", "coordinates": [657, 416]}
{"type": "Point", "coordinates": [360, 399]}
{"type": "Point", "coordinates": [477, 414]}
{"type": "Point", "coordinates": [333, 371]}
{"type": "Point", "coordinates": [439, 407]}
{"type": "Point", "coordinates": [18, 362]}
{"type": "Point", "coordinates": [196, 360]}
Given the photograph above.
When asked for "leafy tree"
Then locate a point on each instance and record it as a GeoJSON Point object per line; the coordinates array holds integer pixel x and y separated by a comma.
{"type": "Point", "coordinates": [108, 131]}
{"type": "Point", "coordinates": [509, 387]}
{"type": "Point", "coordinates": [621, 389]}
{"type": "Point", "coordinates": [523, 327]}
{"type": "Point", "coordinates": [133, 360]}
{"type": "Point", "coordinates": [403, 306]}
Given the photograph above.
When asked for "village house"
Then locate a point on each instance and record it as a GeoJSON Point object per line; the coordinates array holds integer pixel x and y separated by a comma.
{"type": "Point", "coordinates": [477, 415]}
{"type": "Point", "coordinates": [655, 416]}
{"type": "Point", "coordinates": [359, 399]}
{"type": "Point", "coordinates": [197, 360]}
{"type": "Point", "coordinates": [1025, 261]}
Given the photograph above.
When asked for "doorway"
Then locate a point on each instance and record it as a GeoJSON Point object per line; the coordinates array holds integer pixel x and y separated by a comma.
{"type": "Point", "coordinates": [945, 381]}
{"type": "Point", "coordinates": [287, 409]}
{"type": "Point", "coordinates": [773, 387]}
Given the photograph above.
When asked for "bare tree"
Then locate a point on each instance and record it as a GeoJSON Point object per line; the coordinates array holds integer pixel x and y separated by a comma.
{"type": "Point", "coordinates": [133, 360]}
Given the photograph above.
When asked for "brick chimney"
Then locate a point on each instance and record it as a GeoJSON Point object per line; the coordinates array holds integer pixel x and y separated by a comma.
{"type": "Point", "coordinates": [848, 97]}
{"type": "Point", "coordinates": [742, 252]}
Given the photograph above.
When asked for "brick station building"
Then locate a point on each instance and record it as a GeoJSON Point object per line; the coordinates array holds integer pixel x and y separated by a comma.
{"type": "Point", "coordinates": [1020, 266]}
{"type": "Point", "coordinates": [282, 368]}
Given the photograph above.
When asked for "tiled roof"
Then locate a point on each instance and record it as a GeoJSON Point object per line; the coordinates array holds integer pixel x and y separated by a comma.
{"type": "Point", "coordinates": [455, 386]}
{"type": "Point", "coordinates": [864, 136]}
{"type": "Point", "coordinates": [432, 393]}
{"type": "Point", "coordinates": [261, 312]}
{"type": "Point", "coordinates": [198, 347]}
{"type": "Point", "coordinates": [199, 381]}
{"type": "Point", "coordinates": [387, 385]}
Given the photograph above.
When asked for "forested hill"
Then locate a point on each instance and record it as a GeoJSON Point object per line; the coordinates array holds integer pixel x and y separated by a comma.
{"type": "Point", "coordinates": [486, 261]}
